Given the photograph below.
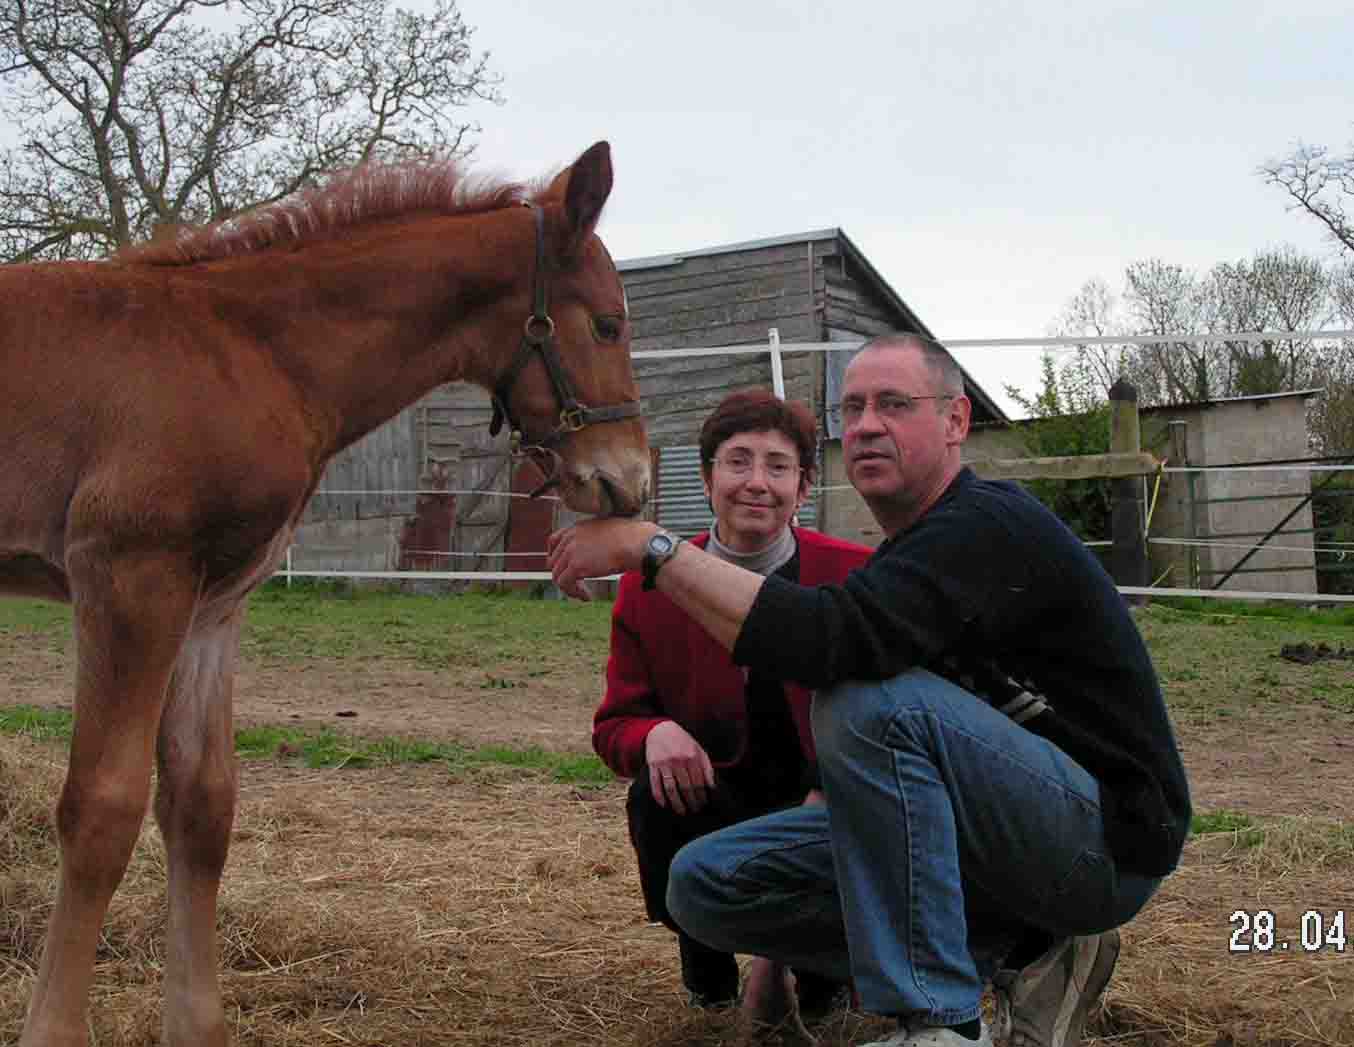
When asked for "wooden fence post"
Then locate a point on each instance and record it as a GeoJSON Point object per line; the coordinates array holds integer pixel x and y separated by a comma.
{"type": "Point", "coordinates": [1128, 557]}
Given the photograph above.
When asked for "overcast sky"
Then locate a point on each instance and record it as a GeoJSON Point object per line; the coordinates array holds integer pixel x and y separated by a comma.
{"type": "Point", "coordinates": [987, 157]}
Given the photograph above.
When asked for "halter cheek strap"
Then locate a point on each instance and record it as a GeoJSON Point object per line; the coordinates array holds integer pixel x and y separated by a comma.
{"type": "Point", "coordinates": [538, 338]}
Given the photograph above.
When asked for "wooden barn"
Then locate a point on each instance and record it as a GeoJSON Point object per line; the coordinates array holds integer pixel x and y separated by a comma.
{"type": "Point", "coordinates": [811, 288]}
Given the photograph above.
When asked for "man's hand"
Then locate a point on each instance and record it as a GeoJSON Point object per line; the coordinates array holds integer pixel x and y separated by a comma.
{"type": "Point", "coordinates": [680, 773]}
{"type": "Point", "coordinates": [596, 548]}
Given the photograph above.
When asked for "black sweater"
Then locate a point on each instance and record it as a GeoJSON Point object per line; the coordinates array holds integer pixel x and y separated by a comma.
{"type": "Point", "coordinates": [989, 586]}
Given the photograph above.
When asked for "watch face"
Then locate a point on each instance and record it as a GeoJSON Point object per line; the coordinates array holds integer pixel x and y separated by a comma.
{"type": "Point", "coordinates": [661, 544]}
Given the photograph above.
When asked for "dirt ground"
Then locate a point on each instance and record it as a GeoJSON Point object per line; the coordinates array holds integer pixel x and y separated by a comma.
{"type": "Point", "coordinates": [401, 905]}
{"type": "Point", "coordinates": [374, 699]}
{"type": "Point", "coordinates": [1297, 764]}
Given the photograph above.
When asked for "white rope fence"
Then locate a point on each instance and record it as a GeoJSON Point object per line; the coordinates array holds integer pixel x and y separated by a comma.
{"type": "Point", "coordinates": [776, 349]}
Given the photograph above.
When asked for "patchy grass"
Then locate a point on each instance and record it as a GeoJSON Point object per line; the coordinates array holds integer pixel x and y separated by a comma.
{"type": "Point", "coordinates": [1240, 826]}
{"type": "Point", "coordinates": [36, 620]}
{"type": "Point", "coordinates": [469, 630]}
{"type": "Point", "coordinates": [1221, 661]}
{"type": "Point", "coordinates": [1341, 616]}
{"type": "Point", "coordinates": [333, 749]}
{"type": "Point", "coordinates": [35, 723]}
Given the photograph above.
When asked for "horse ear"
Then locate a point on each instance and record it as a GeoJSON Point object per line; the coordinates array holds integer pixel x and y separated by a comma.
{"type": "Point", "coordinates": [589, 185]}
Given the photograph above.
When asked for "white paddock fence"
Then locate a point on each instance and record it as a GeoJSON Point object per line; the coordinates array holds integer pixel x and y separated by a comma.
{"type": "Point", "coordinates": [457, 572]}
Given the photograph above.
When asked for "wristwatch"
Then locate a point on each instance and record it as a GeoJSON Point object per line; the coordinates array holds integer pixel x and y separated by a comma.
{"type": "Point", "coordinates": [657, 551]}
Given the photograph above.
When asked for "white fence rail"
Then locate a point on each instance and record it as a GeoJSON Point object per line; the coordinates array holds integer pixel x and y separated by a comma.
{"type": "Point", "coordinates": [775, 349]}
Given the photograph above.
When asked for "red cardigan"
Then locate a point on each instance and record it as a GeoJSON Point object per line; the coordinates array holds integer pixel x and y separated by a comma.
{"type": "Point", "coordinates": [663, 666]}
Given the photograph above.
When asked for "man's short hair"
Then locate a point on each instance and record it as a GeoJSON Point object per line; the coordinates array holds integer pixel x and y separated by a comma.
{"type": "Point", "coordinates": [937, 357]}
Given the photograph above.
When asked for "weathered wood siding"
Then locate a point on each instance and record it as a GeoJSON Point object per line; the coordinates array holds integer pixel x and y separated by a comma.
{"type": "Point", "coordinates": [850, 306]}
{"type": "Point", "coordinates": [454, 429]}
{"type": "Point", "coordinates": [385, 460]}
{"type": "Point", "coordinates": [729, 298]}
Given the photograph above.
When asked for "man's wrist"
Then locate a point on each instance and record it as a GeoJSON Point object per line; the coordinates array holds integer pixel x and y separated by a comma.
{"type": "Point", "coordinates": [660, 547]}
{"type": "Point", "coordinates": [646, 531]}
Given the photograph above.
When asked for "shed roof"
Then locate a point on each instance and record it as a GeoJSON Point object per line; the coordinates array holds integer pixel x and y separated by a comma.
{"type": "Point", "coordinates": [871, 275]}
{"type": "Point", "coordinates": [1219, 401]}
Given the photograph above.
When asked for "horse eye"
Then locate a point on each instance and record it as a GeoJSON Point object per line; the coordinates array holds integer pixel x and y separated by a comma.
{"type": "Point", "coordinates": [607, 328]}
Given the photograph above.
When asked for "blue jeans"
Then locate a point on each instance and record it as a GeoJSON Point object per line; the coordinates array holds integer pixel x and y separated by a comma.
{"type": "Point", "coordinates": [950, 832]}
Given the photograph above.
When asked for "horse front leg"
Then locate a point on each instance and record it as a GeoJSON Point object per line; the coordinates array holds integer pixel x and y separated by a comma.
{"type": "Point", "coordinates": [131, 612]}
{"type": "Point", "coordinates": [195, 807]}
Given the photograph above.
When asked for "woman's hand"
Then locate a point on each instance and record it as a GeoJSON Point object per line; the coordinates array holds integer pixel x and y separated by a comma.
{"type": "Point", "coordinates": [680, 773]}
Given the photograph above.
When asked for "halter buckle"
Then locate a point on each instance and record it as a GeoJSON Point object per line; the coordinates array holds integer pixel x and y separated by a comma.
{"type": "Point", "coordinates": [572, 419]}
{"type": "Point", "coordinates": [538, 329]}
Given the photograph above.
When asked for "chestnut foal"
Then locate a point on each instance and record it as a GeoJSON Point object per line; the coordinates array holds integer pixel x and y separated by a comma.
{"type": "Point", "coordinates": [165, 417]}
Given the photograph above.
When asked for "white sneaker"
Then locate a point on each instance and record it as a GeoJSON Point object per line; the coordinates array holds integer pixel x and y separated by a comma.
{"type": "Point", "coordinates": [1046, 1003]}
{"type": "Point", "coordinates": [933, 1036]}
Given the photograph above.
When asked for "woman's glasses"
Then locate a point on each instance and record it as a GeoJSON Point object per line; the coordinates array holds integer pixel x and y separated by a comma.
{"type": "Point", "coordinates": [776, 467]}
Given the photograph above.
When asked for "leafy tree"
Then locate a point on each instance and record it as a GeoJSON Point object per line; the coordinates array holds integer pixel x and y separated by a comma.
{"type": "Point", "coordinates": [1069, 416]}
{"type": "Point", "coordinates": [133, 114]}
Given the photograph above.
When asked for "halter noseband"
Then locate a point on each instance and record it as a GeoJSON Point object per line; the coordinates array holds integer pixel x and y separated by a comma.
{"type": "Point", "coordinates": [538, 336]}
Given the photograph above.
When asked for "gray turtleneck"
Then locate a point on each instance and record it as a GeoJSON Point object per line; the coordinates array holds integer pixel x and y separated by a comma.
{"type": "Point", "coordinates": [764, 561]}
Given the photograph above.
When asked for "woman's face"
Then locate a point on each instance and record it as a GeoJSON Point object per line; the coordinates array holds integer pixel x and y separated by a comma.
{"type": "Point", "coordinates": [755, 485]}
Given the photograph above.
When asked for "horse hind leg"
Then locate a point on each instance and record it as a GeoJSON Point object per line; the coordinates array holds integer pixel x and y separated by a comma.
{"type": "Point", "coordinates": [131, 611]}
{"type": "Point", "coordinates": [195, 807]}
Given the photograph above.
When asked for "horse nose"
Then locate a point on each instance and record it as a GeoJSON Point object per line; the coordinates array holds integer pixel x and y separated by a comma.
{"type": "Point", "coordinates": [629, 494]}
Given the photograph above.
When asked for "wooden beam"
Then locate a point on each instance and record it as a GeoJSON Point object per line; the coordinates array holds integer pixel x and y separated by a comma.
{"type": "Point", "coordinates": [1072, 467]}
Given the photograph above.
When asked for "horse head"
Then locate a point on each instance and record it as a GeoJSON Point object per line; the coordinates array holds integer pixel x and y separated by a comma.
{"type": "Point", "coordinates": [569, 393]}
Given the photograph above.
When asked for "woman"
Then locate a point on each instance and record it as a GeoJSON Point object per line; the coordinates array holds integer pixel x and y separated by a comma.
{"type": "Point", "coordinates": [707, 744]}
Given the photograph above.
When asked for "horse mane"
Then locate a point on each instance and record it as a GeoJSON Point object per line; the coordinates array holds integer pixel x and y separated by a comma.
{"type": "Point", "coordinates": [365, 193]}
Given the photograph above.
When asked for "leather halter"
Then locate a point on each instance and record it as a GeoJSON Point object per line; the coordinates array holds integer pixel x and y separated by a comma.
{"type": "Point", "coordinates": [538, 336]}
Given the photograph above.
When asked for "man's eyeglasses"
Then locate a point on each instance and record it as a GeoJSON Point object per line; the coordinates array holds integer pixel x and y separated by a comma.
{"type": "Point", "coordinates": [887, 405]}
{"type": "Point", "coordinates": [737, 463]}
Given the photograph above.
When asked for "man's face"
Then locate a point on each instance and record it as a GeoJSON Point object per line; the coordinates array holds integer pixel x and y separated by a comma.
{"type": "Point", "coordinates": [897, 447]}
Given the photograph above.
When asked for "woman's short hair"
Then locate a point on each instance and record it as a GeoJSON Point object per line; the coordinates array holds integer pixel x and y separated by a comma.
{"type": "Point", "coordinates": [761, 411]}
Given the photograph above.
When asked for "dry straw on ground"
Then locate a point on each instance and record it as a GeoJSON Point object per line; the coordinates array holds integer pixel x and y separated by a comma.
{"type": "Point", "coordinates": [403, 906]}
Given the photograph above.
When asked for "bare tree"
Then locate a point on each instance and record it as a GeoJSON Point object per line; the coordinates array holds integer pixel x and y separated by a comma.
{"type": "Point", "coordinates": [1165, 299]}
{"type": "Point", "coordinates": [1332, 415]}
{"type": "Point", "coordinates": [132, 114]}
{"type": "Point", "coordinates": [1093, 313]}
{"type": "Point", "coordinates": [1277, 290]}
{"type": "Point", "coordinates": [1320, 183]}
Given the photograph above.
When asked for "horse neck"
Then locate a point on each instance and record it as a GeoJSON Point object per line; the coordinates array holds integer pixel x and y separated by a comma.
{"type": "Point", "coordinates": [378, 319]}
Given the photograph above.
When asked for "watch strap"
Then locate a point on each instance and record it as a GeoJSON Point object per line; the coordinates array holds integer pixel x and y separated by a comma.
{"type": "Point", "coordinates": [652, 563]}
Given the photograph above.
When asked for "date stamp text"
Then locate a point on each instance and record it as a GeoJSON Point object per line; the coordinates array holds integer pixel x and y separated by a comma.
{"type": "Point", "coordinates": [1260, 930]}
